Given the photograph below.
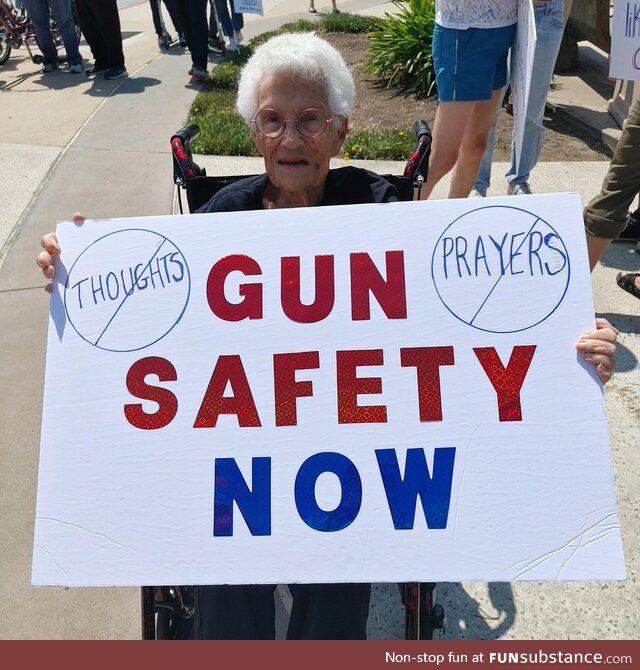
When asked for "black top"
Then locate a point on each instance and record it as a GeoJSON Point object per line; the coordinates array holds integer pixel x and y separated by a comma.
{"type": "Point", "coordinates": [343, 186]}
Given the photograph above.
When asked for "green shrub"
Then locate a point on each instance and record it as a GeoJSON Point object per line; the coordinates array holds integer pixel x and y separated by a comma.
{"type": "Point", "coordinates": [328, 23]}
{"type": "Point", "coordinates": [257, 40]}
{"type": "Point", "coordinates": [299, 26]}
{"type": "Point", "coordinates": [401, 50]}
{"type": "Point", "coordinates": [382, 145]}
{"type": "Point", "coordinates": [348, 23]}
{"type": "Point", "coordinates": [222, 131]}
{"type": "Point", "coordinates": [224, 75]}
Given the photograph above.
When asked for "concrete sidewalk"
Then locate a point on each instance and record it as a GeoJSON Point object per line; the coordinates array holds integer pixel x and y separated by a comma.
{"type": "Point", "coordinates": [102, 147]}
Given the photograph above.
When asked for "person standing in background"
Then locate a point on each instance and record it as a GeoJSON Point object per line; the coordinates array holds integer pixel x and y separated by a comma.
{"type": "Point", "coordinates": [192, 15]}
{"type": "Point", "coordinates": [550, 22]}
{"type": "Point", "coordinates": [100, 25]}
{"type": "Point", "coordinates": [164, 39]}
{"type": "Point", "coordinates": [231, 22]}
{"type": "Point", "coordinates": [39, 12]}
{"type": "Point", "coordinates": [471, 42]}
{"type": "Point", "coordinates": [607, 214]}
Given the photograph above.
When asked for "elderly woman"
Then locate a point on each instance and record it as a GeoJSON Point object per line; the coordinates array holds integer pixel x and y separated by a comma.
{"type": "Point", "coordinates": [296, 94]}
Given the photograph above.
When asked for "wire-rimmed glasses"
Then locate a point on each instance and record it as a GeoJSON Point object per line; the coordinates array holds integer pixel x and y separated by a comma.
{"type": "Point", "coordinates": [310, 123]}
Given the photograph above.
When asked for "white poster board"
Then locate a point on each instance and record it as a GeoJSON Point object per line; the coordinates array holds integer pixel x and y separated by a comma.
{"type": "Point", "coordinates": [625, 41]}
{"type": "Point", "coordinates": [522, 55]}
{"type": "Point", "coordinates": [248, 7]}
{"type": "Point", "coordinates": [366, 393]}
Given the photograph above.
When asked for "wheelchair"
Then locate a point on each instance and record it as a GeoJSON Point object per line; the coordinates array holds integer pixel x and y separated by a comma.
{"type": "Point", "coordinates": [167, 611]}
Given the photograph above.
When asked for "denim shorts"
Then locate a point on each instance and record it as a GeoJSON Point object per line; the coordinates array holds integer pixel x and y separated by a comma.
{"type": "Point", "coordinates": [470, 64]}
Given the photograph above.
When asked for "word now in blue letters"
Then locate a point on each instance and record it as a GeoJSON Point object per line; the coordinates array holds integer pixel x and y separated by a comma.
{"type": "Point", "coordinates": [402, 492]}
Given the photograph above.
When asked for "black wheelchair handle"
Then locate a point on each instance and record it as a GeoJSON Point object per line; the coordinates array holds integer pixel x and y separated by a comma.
{"type": "Point", "coordinates": [189, 132]}
{"type": "Point", "coordinates": [420, 128]}
{"type": "Point", "coordinates": [418, 164]}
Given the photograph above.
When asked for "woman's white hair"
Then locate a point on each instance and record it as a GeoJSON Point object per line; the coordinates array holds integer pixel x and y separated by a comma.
{"type": "Point", "coordinates": [303, 55]}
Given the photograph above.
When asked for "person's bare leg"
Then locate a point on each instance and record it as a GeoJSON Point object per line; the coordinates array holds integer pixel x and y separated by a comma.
{"type": "Point", "coordinates": [448, 130]}
{"type": "Point", "coordinates": [473, 146]}
{"type": "Point", "coordinates": [596, 246]}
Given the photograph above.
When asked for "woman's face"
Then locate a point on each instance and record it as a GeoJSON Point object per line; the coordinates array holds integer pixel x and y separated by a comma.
{"type": "Point", "coordinates": [294, 163]}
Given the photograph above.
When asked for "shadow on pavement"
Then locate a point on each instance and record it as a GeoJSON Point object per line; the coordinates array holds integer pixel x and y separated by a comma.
{"type": "Point", "coordinates": [488, 618]}
{"type": "Point", "coordinates": [102, 87]}
{"type": "Point", "coordinates": [469, 619]}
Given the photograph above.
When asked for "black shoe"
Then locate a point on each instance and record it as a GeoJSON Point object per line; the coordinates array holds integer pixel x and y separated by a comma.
{"type": "Point", "coordinates": [164, 41]}
{"type": "Point", "coordinates": [632, 232]}
{"type": "Point", "coordinates": [115, 73]}
{"type": "Point", "coordinates": [95, 70]}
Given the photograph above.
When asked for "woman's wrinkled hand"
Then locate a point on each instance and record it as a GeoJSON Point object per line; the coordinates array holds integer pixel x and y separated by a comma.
{"type": "Point", "coordinates": [598, 347]}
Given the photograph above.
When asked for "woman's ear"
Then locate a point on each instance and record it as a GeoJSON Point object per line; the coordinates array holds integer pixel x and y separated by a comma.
{"type": "Point", "coordinates": [341, 135]}
{"type": "Point", "coordinates": [258, 139]}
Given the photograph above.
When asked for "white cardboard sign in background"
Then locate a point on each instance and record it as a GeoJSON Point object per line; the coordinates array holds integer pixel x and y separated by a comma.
{"type": "Point", "coordinates": [248, 7]}
{"type": "Point", "coordinates": [522, 55]}
{"type": "Point", "coordinates": [625, 41]}
{"type": "Point", "coordinates": [182, 443]}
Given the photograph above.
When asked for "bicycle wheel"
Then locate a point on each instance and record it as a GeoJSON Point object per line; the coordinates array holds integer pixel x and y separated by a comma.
{"type": "Point", "coordinates": [5, 49]}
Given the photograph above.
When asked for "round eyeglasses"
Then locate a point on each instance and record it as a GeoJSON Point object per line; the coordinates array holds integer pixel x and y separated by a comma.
{"type": "Point", "coordinates": [310, 123]}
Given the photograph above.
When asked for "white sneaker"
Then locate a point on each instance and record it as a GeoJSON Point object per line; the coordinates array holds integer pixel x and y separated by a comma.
{"type": "Point", "coordinates": [232, 46]}
{"type": "Point", "coordinates": [480, 192]}
{"type": "Point", "coordinates": [238, 37]}
{"type": "Point", "coordinates": [519, 189]}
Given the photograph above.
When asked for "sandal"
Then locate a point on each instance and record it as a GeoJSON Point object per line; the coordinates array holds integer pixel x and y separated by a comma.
{"type": "Point", "coordinates": [313, 11]}
{"type": "Point", "coordinates": [627, 282]}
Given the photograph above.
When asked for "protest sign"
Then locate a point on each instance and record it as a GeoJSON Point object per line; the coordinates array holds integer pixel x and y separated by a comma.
{"type": "Point", "coordinates": [522, 55]}
{"type": "Point", "coordinates": [380, 392]}
{"type": "Point", "coordinates": [625, 41]}
{"type": "Point", "coordinates": [248, 7]}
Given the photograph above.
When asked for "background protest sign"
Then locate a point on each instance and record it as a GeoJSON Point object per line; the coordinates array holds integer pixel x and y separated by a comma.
{"type": "Point", "coordinates": [248, 7]}
{"type": "Point", "coordinates": [625, 41]}
{"type": "Point", "coordinates": [522, 55]}
{"type": "Point", "coordinates": [363, 393]}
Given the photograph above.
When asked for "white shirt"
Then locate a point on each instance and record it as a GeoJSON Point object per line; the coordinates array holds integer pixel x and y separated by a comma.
{"type": "Point", "coordinates": [463, 14]}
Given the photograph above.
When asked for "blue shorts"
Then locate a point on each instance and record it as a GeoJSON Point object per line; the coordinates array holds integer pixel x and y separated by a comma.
{"type": "Point", "coordinates": [470, 64]}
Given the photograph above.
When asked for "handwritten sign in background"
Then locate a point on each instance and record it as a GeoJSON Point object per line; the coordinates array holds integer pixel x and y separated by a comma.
{"type": "Point", "coordinates": [625, 41]}
{"type": "Point", "coordinates": [123, 501]}
{"type": "Point", "coordinates": [248, 7]}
